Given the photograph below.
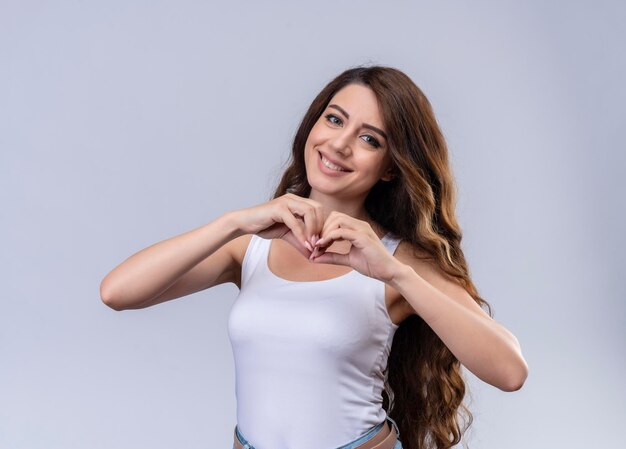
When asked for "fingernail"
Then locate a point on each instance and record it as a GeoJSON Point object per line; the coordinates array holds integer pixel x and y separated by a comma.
{"type": "Point", "coordinates": [308, 245]}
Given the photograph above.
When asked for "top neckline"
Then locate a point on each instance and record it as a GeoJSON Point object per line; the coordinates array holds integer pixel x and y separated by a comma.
{"type": "Point", "coordinates": [289, 281]}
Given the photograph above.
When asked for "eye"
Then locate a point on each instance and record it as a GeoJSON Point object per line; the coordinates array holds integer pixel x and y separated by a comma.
{"type": "Point", "coordinates": [372, 141]}
{"type": "Point", "coordinates": [332, 118]}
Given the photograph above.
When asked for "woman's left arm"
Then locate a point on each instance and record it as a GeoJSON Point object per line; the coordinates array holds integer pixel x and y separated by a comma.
{"type": "Point", "coordinates": [484, 346]}
{"type": "Point", "coordinates": [481, 344]}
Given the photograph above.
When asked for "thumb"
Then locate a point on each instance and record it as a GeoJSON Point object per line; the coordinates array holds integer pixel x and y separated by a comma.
{"type": "Point", "coordinates": [332, 258]}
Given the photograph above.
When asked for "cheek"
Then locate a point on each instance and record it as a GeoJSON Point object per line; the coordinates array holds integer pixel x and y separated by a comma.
{"type": "Point", "coordinates": [373, 166]}
{"type": "Point", "coordinates": [308, 150]}
{"type": "Point", "coordinates": [309, 154]}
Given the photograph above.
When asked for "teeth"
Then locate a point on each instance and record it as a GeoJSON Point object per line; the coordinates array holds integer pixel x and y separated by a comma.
{"type": "Point", "coordinates": [330, 165]}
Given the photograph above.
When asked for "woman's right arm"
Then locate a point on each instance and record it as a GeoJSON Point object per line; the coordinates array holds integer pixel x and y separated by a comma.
{"type": "Point", "coordinates": [145, 278]}
{"type": "Point", "coordinates": [207, 256]}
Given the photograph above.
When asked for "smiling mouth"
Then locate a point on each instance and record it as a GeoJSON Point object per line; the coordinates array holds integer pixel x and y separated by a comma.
{"type": "Point", "coordinates": [332, 166]}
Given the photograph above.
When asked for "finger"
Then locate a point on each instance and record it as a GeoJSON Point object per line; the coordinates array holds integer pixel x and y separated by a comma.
{"type": "Point", "coordinates": [310, 221]}
{"type": "Point", "coordinates": [297, 244]}
{"type": "Point", "coordinates": [307, 213]}
{"type": "Point", "coordinates": [338, 220]}
{"type": "Point", "coordinates": [316, 252]}
{"type": "Point", "coordinates": [296, 226]}
{"type": "Point", "coordinates": [329, 225]}
{"type": "Point", "coordinates": [332, 258]}
{"type": "Point", "coordinates": [318, 211]}
{"type": "Point", "coordinates": [319, 214]}
{"type": "Point", "coordinates": [337, 234]}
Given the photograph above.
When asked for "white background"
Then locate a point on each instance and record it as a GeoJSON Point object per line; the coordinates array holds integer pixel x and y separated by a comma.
{"type": "Point", "coordinates": [123, 123]}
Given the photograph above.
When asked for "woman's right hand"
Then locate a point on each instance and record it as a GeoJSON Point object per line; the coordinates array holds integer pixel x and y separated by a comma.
{"type": "Point", "coordinates": [295, 219]}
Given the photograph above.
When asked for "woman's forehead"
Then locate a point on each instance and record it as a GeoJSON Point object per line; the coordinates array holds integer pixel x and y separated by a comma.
{"type": "Point", "coordinates": [358, 102]}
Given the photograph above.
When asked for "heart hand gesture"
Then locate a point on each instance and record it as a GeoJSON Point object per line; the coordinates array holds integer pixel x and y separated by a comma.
{"type": "Point", "coordinates": [367, 255]}
{"type": "Point", "coordinates": [289, 217]}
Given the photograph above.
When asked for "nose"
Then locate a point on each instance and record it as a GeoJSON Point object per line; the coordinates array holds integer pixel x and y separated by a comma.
{"type": "Point", "coordinates": [340, 142]}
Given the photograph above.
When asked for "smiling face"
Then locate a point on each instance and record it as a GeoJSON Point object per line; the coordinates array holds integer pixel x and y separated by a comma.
{"type": "Point", "coordinates": [346, 152]}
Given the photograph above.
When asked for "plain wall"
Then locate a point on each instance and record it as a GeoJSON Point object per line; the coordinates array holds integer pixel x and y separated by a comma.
{"type": "Point", "coordinates": [123, 123]}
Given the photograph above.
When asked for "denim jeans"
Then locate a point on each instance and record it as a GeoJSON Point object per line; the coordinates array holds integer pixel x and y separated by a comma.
{"type": "Point", "coordinates": [351, 445]}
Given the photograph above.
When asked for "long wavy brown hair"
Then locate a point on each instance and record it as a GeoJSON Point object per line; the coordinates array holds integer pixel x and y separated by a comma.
{"type": "Point", "coordinates": [424, 385]}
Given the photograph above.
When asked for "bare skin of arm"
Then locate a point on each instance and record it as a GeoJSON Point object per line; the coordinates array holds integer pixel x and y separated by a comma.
{"type": "Point", "coordinates": [484, 346]}
{"type": "Point", "coordinates": [176, 267]}
{"type": "Point", "coordinates": [481, 344]}
{"type": "Point", "coordinates": [208, 255]}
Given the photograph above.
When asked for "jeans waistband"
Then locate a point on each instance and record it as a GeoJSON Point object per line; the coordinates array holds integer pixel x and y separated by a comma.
{"type": "Point", "coordinates": [360, 440]}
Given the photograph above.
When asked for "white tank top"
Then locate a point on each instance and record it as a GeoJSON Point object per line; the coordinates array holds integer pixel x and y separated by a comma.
{"type": "Point", "coordinates": [309, 356]}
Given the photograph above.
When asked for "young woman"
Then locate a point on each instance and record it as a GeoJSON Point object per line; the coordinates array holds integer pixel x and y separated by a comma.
{"type": "Point", "coordinates": [356, 305]}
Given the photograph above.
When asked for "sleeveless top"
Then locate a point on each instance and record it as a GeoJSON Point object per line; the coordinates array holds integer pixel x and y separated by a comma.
{"type": "Point", "coordinates": [309, 355]}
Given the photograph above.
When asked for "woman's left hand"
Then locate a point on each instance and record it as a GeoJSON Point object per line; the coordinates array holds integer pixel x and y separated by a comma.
{"type": "Point", "coordinates": [367, 254]}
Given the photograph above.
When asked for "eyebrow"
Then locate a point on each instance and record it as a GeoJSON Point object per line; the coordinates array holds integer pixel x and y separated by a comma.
{"type": "Point", "coordinates": [365, 125]}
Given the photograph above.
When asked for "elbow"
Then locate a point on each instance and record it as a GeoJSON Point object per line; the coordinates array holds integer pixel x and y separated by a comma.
{"type": "Point", "coordinates": [108, 297]}
{"type": "Point", "coordinates": [113, 305]}
{"type": "Point", "coordinates": [516, 378]}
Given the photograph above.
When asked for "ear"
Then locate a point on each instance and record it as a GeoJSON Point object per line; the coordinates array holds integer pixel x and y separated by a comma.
{"type": "Point", "coordinates": [389, 175]}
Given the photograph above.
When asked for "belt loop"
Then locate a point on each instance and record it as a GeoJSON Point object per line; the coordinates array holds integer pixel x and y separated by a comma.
{"type": "Point", "coordinates": [394, 425]}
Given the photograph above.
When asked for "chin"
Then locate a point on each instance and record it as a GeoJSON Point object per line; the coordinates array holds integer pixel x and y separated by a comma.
{"type": "Point", "coordinates": [321, 186]}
